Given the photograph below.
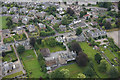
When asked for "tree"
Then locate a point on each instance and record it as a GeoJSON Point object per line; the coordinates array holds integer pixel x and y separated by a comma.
{"type": "Point", "coordinates": [98, 58]}
{"type": "Point", "coordinates": [103, 66]}
{"type": "Point", "coordinates": [78, 31]}
{"type": "Point", "coordinates": [20, 49]}
{"type": "Point", "coordinates": [89, 72]}
{"type": "Point", "coordinates": [74, 46]}
{"type": "Point", "coordinates": [57, 74]}
{"type": "Point", "coordinates": [32, 42]}
{"type": "Point", "coordinates": [39, 40]}
{"type": "Point", "coordinates": [82, 59]}
{"type": "Point", "coordinates": [80, 75]}
{"type": "Point", "coordinates": [113, 72]}
{"type": "Point", "coordinates": [119, 5]}
{"type": "Point", "coordinates": [108, 25]}
{"type": "Point", "coordinates": [82, 13]}
{"type": "Point", "coordinates": [66, 72]}
{"type": "Point", "coordinates": [3, 54]}
{"type": "Point", "coordinates": [70, 11]}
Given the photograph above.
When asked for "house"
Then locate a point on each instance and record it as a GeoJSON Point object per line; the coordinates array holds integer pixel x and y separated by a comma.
{"type": "Point", "coordinates": [41, 14]}
{"type": "Point", "coordinates": [58, 15]}
{"type": "Point", "coordinates": [15, 19]}
{"type": "Point", "coordinates": [49, 17]}
{"type": "Point", "coordinates": [66, 57]}
{"type": "Point", "coordinates": [4, 9]}
{"type": "Point", "coordinates": [45, 52]}
{"type": "Point", "coordinates": [25, 43]}
{"type": "Point", "coordinates": [19, 30]}
{"type": "Point", "coordinates": [60, 39]}
{"type": "Point", "coordinates": [23, 10]}
{"type": "Point", "coordinates": [7, 67]}
{"type": "Point", "coordinates": [5, 33]}
{"type": "Point", "coordinates": [51, 64]}
{"type": "Point", "coordinates": [108, 20]}
{"type": "Point", "coordinates": [54, 21]}
{"type": "Point", "coordinates": [31, 28]}
{"type": "Point", "coordinates": [41, 26]}
{"type": "Point", "coordinates": [25, 20]}
{"type": "Point", "coordinates": [62, 27]}
{"type": "Point", "coordinates": [32, 12]}
{"type": "Point", "coordinates": [13, 9]}
{"type": "Point", "coordinates": [81, 38]}
{"type": "Point", "coordinates": [86, 16]}
{"type": "Point", "coordinates": [95, 33]}
{"type": "Point", "coordinates": [60, 10]}
{"type": "Point", "coordinates": [5, 48]}
{"type": "Point", "coordinates": [94, 23]}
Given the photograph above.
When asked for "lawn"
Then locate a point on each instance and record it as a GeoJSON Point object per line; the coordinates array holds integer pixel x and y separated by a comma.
{"type": "Point", "coordinates": [8, 40]}
{"type": "Point", "coordinates": [14, 75]}
{"type": "Point", "coordinates": [10, 57]}
{"type": "Point", "coordinates": [31, 64]}
{"type": "Point", "coordinates": [52, 49]}
{"type": "Point", "coordinates": [74, 69]}
{"type": "Point", "coordinates": [3, 22]}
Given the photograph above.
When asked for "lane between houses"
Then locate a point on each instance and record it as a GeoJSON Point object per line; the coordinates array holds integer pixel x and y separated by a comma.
{"type": "Point", "coordinates": [21, 66]}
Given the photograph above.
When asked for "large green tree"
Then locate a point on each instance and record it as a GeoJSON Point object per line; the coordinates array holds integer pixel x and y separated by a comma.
{"type": "Point", "coordinates": [98, 58]}
{"type": "Point", "coordinates": [82, 59]}
{"type": "Point", "coordinates": [66, 72]}
{"type": "Point", "coordinates": [89, 72]}
{"type": "Point", "coordinates": [74, 46]}
{"type": "Point", "coordinates": [32, 42]}
{"type": "Point", "coordinates": [78, 31]}
{"type": "Point", "coordinates": [70, 11]}
{"type": "Point", "coordinates": [81, 75]}
{"type": "Point", "coordinates": [103, 66]}
{"type": "Point", "coordinates": [20, 49]}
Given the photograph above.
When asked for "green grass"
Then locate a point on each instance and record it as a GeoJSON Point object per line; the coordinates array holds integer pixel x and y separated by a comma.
{"type": "Point", "coordinates": [3, 22]}
{"type": "Point", "coordinates": [10, 57]}
{"type": "Point", "coordinates": [31, 64]}
{"type": "Point", "coordinates": [52, 49]}
{"type": "Point", "coordinates": [74, 69]}
{"type": "Point", "coordinates": [14, 75]}
{"type": "Point", "coordinates": [91, 53]}
{"type": "Point", "coordinates": [109, 54]}
{"type": "Point", "coordinates": [8, 40]}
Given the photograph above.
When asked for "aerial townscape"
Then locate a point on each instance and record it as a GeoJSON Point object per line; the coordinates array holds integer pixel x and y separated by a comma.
{"type": "Point", "coordinates": [50, 40]}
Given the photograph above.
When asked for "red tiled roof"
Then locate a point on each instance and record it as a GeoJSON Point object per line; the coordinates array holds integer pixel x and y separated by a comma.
{"type": "Point", "coordinates": [86, 15]}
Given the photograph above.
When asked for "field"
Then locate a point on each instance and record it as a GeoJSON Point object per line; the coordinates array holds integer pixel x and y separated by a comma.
{"type": "Point", "coordinates": [3, 22]}
{"type": "Point", "coordinates": [31, 64]}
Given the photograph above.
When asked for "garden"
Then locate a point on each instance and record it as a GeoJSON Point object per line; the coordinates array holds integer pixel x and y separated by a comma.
{"type": "Point", "coordinates": [50, 43]}
{"type": "Point", "coordinates": [20, 37]}
{"type": "Point", "coordinates": [31, 64]}
{"type": "Point", "coordinates": [8, 40]}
